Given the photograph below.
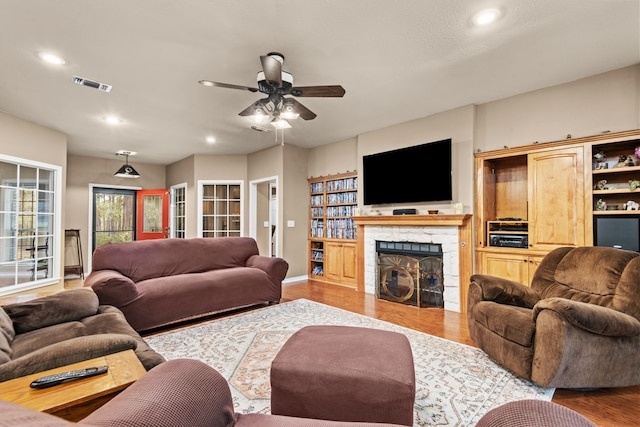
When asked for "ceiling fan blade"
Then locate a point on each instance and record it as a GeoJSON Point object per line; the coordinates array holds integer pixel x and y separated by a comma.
{"type": "Point", "coordinates": [248, 111]}
{"type": "Point", "coordinates": [319, 91]}
{"type": "Point", "coordinates": [230, 86]}
{"type": "Point", "coordinates": [304, 112]}
{"type": "Point", "coordinates": [272, 70]}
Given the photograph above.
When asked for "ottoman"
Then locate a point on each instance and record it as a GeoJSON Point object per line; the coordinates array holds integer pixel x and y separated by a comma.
{"type": "Point", "coordinates": [344, 373]}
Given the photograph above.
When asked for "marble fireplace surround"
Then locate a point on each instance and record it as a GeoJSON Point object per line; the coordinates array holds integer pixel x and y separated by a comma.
{"type": "Point", "coordinates": [452, 231]}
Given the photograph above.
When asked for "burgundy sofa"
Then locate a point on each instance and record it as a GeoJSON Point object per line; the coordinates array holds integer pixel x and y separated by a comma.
{"type": "Point", "coordinates": [160, 282]}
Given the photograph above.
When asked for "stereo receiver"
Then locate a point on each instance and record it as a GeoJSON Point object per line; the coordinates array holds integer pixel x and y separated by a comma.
{"type": "Point", "coordinates": [509, 240]}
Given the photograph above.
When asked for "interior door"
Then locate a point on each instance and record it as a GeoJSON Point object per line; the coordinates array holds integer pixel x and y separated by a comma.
{"type": "Point", "coordinates": [152, 219]}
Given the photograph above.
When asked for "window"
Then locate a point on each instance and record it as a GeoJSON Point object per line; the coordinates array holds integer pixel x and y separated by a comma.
{"type": "Point", "coordinates": [29, 224]}
{"type": "Point", "coordinates": [114, 214]}
{"type": "Point", "coordinates": [220, 206]}
{"type": "Point", "coordinates": [178, 211]}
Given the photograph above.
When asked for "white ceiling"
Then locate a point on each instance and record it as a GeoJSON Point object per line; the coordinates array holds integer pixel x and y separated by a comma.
{"type": "Point", "coordinates": [397, 60]}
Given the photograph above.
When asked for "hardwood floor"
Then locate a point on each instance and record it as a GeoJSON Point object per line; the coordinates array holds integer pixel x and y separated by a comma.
{"type": "Point", "coordinates": [606, 407]}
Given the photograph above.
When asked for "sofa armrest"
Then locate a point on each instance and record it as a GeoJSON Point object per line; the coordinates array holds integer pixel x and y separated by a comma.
{"type": "Point", "coordinates": [112, 287]}
{"type": "Point", "coordinates": [591, 317]}
{"type": "Point", "coordinates": [58, 308]}
{"type": "Point", "coordinates": [275, 267]}
{"type": "Point", "coordinates": [505, 291]}
{"type": "Point", "coordinates": [65, 353]}
{"type": "Point", "coordinates": [182, 392]}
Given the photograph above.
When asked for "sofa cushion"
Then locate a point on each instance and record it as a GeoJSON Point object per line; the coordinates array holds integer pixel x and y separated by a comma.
{"type": "Point", "coordinates": [6, 336]}
{"type": "Point", "coordinates": [33, 340]}
{"type": "Point", "coordinates": [65, 353]}
{"type": "Point", "coordinates": [53, 309]}
{"type": "Point", "coordinates": [510, 322]}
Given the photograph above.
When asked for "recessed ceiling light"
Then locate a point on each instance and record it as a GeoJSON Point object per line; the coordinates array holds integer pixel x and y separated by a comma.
{"type": "Point", "coordinates": [486, 17]}
{"type": "Point", "coordinates": [113, 120]}
{"type": "Point", "coordinates": [210, 139]}
{"type": "Point", "coordinates": [51, 58]}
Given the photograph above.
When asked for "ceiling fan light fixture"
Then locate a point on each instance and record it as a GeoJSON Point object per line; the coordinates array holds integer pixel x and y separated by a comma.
{"type": "Point", "coordinates": [126, 170]}
{"type": "Point", "coordinates": [259, 115]}
{"type": "Point", "coordinates": [280, 123]}
{"type": "Point", "coordinates": [288, 110]}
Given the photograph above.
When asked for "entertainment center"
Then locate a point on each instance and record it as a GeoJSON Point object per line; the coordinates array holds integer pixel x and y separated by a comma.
{"type": "Point", "coordinates": [535, 198]}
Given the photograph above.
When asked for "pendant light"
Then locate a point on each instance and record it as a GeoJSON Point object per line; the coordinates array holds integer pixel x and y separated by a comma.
{"type": "Point", "coordinates": [126, 170]}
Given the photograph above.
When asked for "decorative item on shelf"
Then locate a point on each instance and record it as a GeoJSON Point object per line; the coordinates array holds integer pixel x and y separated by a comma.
{"type": "Point", "coordinates": [601, 161]}
{"type": "Point", "coordinates": [612, 207]}
{"type": "Point", "coordinates": [634, 184]}
{"type": "Point", "coordinates": [601, 185]}
{"type": "Point", "coordinates": [631, 206]}
{"type": "Point", "coordinates": [433, 211]}
{"type": "Point", "coordinates": [601, 205]}
{"type": "Point", "coordinates": [458, 208]}
{"type": "Point", "coordinates": [624, 161]}
{"type": "Point", "coordinates": [637, 152]}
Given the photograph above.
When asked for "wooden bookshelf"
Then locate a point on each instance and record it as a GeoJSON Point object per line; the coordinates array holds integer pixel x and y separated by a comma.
{"type": "Point", "coordinates": [333, 201]}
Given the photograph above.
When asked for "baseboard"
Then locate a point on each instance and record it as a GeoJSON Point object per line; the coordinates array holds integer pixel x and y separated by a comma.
{"type": "Point", "coordinates": [295, 279]}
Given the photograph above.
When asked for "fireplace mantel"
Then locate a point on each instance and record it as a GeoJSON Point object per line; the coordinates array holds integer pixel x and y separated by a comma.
{"type": "Point", "coordinates": [415, 220]}
{"type": "Point", "coordinates": [465, 248]}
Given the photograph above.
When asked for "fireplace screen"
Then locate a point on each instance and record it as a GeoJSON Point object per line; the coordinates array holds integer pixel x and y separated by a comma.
{"type": "Point", "coordinates": [410, 278]}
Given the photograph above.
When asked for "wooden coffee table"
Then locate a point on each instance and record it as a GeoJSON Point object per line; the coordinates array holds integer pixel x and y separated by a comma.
{"type": "Point", "coordinates": [76, 399]}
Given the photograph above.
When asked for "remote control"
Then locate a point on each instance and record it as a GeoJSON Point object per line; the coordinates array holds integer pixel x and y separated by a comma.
{"type": "Point", "coordinates": [55, 379]}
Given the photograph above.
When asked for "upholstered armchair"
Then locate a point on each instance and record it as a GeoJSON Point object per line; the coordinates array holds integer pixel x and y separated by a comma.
{"type": "Point", "coordinates": [577, 326]}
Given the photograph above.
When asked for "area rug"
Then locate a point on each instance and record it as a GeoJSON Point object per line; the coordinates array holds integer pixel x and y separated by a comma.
{"type": "Point", "coordinates": [456, 384]}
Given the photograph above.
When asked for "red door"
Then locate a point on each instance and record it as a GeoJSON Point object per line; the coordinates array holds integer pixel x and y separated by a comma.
{"type": "Point", "coordinates": [152, 218]}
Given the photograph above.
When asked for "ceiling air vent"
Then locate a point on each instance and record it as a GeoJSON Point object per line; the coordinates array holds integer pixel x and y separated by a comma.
{"type": "Point", "coordinates": [90, 83]}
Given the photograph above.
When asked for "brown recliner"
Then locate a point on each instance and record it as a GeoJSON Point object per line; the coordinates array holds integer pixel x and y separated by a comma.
{"type": "Point", "coordinates": [577, 326]}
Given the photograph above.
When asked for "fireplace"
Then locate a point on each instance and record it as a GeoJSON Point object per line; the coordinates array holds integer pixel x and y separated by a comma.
{"type": "Point", "coordinates": [410, 273]}
{"type": "Point", "coordinates": [452, 232]}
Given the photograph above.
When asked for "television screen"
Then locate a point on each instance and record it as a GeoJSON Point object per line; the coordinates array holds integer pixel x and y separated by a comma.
{"type": "Point", "coordinates": [421, 173]}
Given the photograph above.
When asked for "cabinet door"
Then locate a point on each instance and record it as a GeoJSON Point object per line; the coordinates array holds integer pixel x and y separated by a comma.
{"type": "Point", "coordinates": [556, 198]}
{"type": "Point", "coordinates": [534, 262]}
{"type": "Point", "coordinates": [333, 261]}
{"type": "Point", "coordinates": [508, 266]}
{"type": "Point", "coordinates": [340, 263]}
{"type": "Point", "coordinates": [349, 264]}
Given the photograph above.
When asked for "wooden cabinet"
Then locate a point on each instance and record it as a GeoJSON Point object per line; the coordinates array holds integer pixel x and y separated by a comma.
{"type": "Point", "coordinates": [516, 266]}
{"type": "Point", "coordinates": [556, 198]}
{"type": "Point", "coordinates": [533, 199]}
{"type": "Point", "coordinates": [340, 262]}
{"type": "Point", "coordinates": [333, 201]}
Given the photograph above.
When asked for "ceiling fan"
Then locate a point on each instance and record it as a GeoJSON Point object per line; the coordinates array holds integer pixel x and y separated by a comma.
{"type": "Point", "coordinates": [277, 84]}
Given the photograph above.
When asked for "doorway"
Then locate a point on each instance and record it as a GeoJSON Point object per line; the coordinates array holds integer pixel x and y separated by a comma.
{"type": "Point", "coordinates": [264, 215]}
{"type": "Point", "coordinates": [114, 213]}
{"type": "Point", "coordinates": [125, 214]}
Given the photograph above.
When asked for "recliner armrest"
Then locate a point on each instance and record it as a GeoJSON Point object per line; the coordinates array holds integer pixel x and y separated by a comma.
{"type": "Point", "coordinates": [65, 353]}
{"type": "Point", "coordinates": [112, 287]}
{"type": "Point", "coordinates": [505, 291]}
{"type": "Point", "coordinates": [591, 317]}
{"type": "Point", "coordinates": [275, 267]}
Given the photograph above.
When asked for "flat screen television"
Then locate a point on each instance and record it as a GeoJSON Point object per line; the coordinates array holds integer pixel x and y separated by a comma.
{"type": "Point", "coordinates": [421, 173]}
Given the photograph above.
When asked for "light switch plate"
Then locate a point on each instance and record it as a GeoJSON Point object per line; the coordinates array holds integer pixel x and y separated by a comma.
{"type": "Point", "coordinates": [291, 223]}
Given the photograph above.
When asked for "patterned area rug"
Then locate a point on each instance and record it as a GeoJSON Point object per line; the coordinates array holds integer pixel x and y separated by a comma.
{"type": "Point", "coordinates": [455, 384]}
